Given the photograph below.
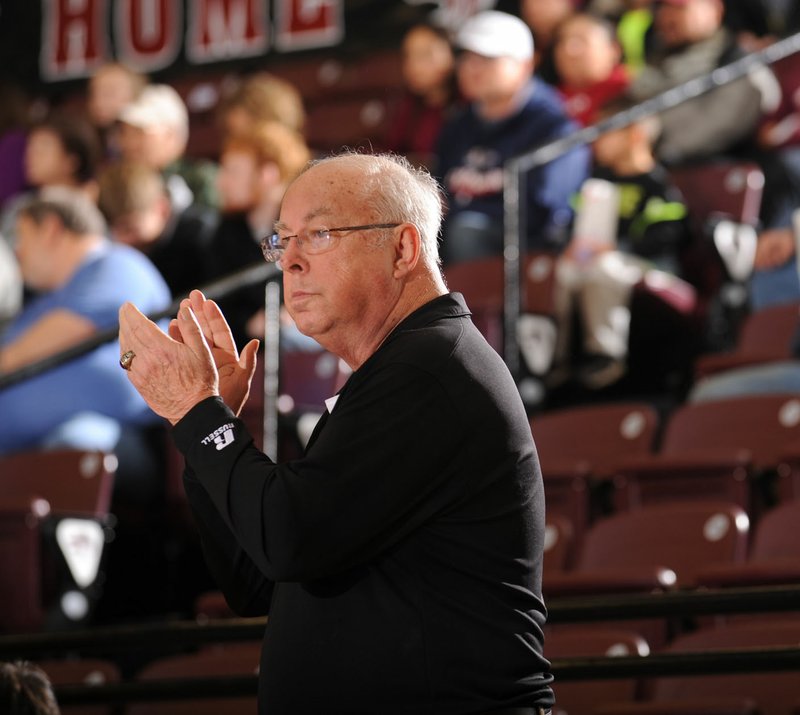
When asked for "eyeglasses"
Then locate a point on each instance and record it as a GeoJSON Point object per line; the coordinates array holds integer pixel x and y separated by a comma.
{"type": "Point", "coordinates": [311, 242]}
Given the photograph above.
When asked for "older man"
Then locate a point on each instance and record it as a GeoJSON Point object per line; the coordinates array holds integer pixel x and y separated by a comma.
{"type": "Point", "coordinates": [400, 559]}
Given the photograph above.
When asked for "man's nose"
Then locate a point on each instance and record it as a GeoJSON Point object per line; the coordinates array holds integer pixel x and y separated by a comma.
{"type": "Point", "coordinates": [292, 258]}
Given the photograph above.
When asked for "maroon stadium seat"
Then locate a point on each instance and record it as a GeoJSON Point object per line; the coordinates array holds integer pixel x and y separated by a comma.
{"type": "Point", "coordinates": [81, 671]}
{"type": "Point", "coordinates": [580, 445]}
{"type": "Point", "coordinates": [655, 547]}
{"type": "Point", "coordinates": [709, 448]}
{"type": "Point", "coordinates": [766, 336]}
{"type": "Point", "coordinates": [51, 536]}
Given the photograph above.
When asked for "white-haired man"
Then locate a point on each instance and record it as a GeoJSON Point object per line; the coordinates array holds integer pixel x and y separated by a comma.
{"type": "Point", "coordinates": [400, 559]}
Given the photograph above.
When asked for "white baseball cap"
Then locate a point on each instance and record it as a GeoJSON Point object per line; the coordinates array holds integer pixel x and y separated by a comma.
{"type": "Point", "coordinates": [496, 34]}
{"type": "Point", "coordinates": [157, 105]}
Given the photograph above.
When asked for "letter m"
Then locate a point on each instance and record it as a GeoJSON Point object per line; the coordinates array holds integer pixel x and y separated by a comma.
{"type": "Point", "coordinates": [226, 29]}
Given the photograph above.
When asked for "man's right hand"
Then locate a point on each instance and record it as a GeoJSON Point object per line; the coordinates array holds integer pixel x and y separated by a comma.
{"type": "Point", "coordinates": [235, 371]}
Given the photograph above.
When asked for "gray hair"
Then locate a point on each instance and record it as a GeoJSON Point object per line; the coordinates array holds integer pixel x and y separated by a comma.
{"type": "Point", "coordinates": [77, 213]}
{"type": "Point", "coordinates": [397, 191]}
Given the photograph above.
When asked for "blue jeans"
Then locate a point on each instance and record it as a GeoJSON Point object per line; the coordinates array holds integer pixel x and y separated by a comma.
{"type": "Point", "coordinates": [776, 285]}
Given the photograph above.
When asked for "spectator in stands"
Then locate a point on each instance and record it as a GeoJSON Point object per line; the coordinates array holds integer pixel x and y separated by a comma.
{"type": "Point", "coordinates": [692, 42]}
{"type": "Point", "coordinates": [587, 60]}
{"type": "Point", "coordinates": [597, 272]}
{"type": "Point", "coordinates": [430, 93]}
{"type": "Point", "coordinates": [543, 17]}
{"type": "Point", "coordinates": [10, 285]}
{"type": "Point", "coordinates": [111, 88]}
{"type": "Point", "coordinates": [261, 97]}
{"type": "Point", "coordinates": [255, 169]}
{"type": "Point", "coordinates": [154, 129]}
{"type": "Point", "coordinates": [25, 689]}
{"type": "Point", "coordinates": [61, 150]}
{"type": "Point", "coordinates": [509, 113]}
{"type": "Point", "coordinates": [135, 202]}
{"type": "Point", "coordinates": [80, 279]}
{"type": "Point", "coordinates": [347, 546]}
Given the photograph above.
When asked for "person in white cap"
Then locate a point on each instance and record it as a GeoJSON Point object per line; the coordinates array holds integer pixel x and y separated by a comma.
{"type": "Point", "coordinates": [154, 130]}
{"type": "Point", "coordinates": [509, 113]}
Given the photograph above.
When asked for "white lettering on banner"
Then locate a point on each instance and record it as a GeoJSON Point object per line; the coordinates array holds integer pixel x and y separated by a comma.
{"type": "Point", "coordinates": [73, 40]}
{"type": "Point", "coordinates": [144, 31]}
{"type": "Point", "coordinates": [148, 34]}
{"type": "Point", "coordinates": [226, 29]}
{"type": "Point", "coordinates": [301, 24]}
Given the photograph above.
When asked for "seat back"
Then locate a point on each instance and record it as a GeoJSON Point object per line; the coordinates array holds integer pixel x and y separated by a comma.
{"type": "Point", "coordinates": [50, 540]}
{"type": "Point", "coordinates": [766, 335]}
{"type": "Point", "coordinates": [764, 425]}
{"type": "Point", "coordinates": [74, 482]}
{"type": "Point", "coordinates": [482, 282]}
{"type": "Point", "coordinates": [776, 533]}
{"type": "Point", "coordinates": [770, 330]}
{"type": "Point", "coordinates": [723, 189]}
{"type": "Point", "coordinates": [685, 537]}
{"type": "Point", "coordinates": [774, 693]}
{"type": "Point", "coordinates": [598, 435]}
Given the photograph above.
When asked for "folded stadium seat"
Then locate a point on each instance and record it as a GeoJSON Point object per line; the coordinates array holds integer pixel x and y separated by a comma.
{"type": "Point", "coordinates": [580, 446]}
{"type": "Point", "coordinates": [584, 697]}
{"type": "Point", "coordinates": [773, 557]}
{"type": "Point", "coordinates": [558, 544]}
{"type": "Point", "coordinates": [735, 694]}
{"type": "Point", "coordinates": [239, 659]}
{"type": "Point", "coordinates": [81, 671]}
{"type": "Point", "coordinates": [53, 512]}
{"type": "Point", "coordinates": [713, 450]}
{"type": "Point", "coordinates": [765, 336]}
{"type": "Point", "coordinates": [482, 283]}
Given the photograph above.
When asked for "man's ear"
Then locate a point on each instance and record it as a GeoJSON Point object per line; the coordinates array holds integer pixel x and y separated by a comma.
{"type": "Point", "coordinates": [408, 249]}
{"type": "Point", "coordinates": [51, 227]}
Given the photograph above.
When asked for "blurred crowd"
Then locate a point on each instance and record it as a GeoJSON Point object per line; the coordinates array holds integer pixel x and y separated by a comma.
{"type": "Point", "coordinates": [101, 203]}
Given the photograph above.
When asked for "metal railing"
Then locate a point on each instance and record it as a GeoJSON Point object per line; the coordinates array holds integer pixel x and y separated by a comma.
{"type": "Point", "coordinates": [188, 634]}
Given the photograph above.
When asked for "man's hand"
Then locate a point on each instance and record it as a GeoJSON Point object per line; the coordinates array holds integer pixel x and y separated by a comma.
{"type": "Point", "coordinates": [775, 247]}
{"type": "Point", "coordinates": [235, 371]}
{"type": "Point", "coordinates": [172, 376]}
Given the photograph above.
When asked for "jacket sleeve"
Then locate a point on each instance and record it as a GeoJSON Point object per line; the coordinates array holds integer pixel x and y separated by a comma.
{"type": "Point", "coordinates": [247, 591]}
{"type": "Point", "coordinates": [365, 483]}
